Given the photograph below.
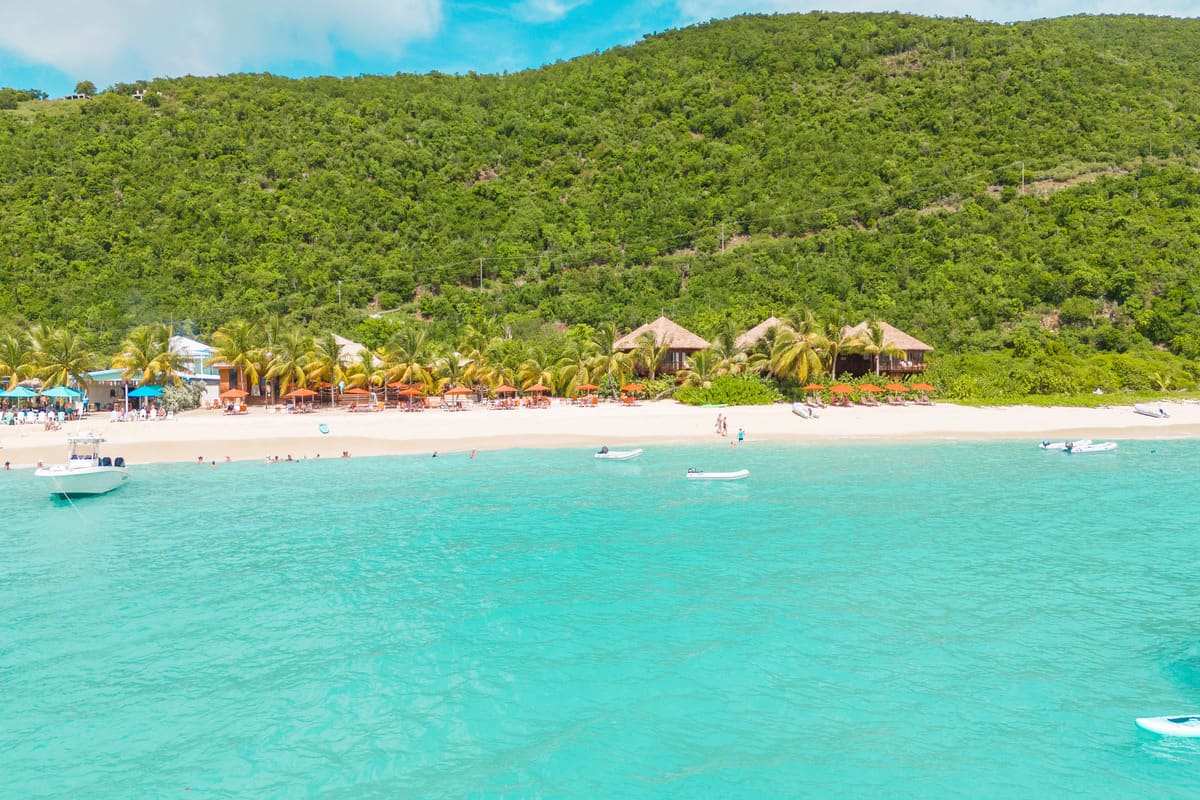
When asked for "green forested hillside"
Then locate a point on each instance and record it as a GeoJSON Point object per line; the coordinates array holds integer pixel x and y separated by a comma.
{"type": "Point", "coordinates": [865, 164]}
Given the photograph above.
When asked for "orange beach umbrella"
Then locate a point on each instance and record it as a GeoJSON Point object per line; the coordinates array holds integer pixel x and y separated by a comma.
{"type": "Point", "coordinates": [633, 387]}
{"type": "Point", "coordinates": [870, 388]}
{"type": "Point", "coordinates": [458, 390]}
{"type": "Point", "coordinates": [896, 387]}
{"type": "Point", "coordinates": [537, 387]}
{"type": "Point", "coordinates": [356, 390]}
{"type": "Point", "coordinates": [813, 387]}
{"type": "Point", "coordinates": [233, 394]}
{"type": "Point", "coordinates": [301, 392]}
{"type": "Point", "coordinates": [841, 388]}
{"type": "Point", "coordinates": [504, 389]}
{"type": "Point", "coordinates": [924, 387]}
{"type": "Point", "coordinates": [412, 391]}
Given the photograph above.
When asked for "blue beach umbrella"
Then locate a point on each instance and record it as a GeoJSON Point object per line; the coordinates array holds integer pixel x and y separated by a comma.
{"type": "Point", "coordinates": [20, 392]}
{"type": "Point", "coordinates": [63, 392]}
{"type": "Point", "coordinates": [147, 391]}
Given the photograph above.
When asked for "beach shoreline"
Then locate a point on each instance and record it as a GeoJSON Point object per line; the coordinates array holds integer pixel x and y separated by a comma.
{"type": "Point", "coordinates": [208, 436]}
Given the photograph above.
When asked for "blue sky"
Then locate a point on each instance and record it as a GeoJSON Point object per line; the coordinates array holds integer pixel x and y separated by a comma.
{"type": "Point", "coordinates": [52, 44]}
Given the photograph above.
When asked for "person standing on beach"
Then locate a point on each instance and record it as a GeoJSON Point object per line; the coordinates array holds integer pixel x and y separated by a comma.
{"type": "Point", "coordinates": [741, 435]}
{"type": "Point", "coordinates": [718, 426]}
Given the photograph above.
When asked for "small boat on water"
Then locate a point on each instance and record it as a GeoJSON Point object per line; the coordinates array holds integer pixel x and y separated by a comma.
{"type": "Point", "coordinates": [1048, 445]}
{"type": "Point", "coordinates": [1185, 725]}
{"type": "Point", "coordinates": [1150, 411]}
{"type": "Point", "coordinates": [618, 455]}
{"type": "Point", "coordinates": [1089, 447]}
{"type": "Point", "coordinates": [698, 475]}
{"type": "Point", "coordinates": [804, 411]}
{"type": "Point", "coordinates": [86, 471]}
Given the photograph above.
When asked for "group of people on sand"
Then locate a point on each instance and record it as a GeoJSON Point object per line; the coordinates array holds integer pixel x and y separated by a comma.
{"type": "Point", "coordinates": [722, 428]}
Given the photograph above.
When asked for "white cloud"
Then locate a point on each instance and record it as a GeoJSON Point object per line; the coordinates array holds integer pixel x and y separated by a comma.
{"type": "Point", "coordinates": [998, 10]}
{"type": "Point", "coordinates": [538, 11]}
{"type": "Point", "coordinates": [122, 39]}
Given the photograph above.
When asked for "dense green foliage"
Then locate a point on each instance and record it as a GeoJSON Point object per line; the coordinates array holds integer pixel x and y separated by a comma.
{"type": "Point", "coordinates": [860, 165]}
{"type": "Point", "coordinates": [733, 390]}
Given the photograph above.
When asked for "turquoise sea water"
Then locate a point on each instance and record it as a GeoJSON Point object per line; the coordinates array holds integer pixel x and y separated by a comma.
{"type": "Point", "coordinates": [950, 620]}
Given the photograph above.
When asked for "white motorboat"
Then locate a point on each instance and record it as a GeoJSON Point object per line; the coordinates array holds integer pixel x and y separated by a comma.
{"type": "Point", "coordinates": [86, 471]}
{"type": "Point", "coordinates": [1150, 411]}
{"type": "Point", "coordinates": [804, 411]}
{"type": "Point", "coordinates": [1089, 447]}
{"type": "Point", "coordinates": [699, 475]}
{"type": "Point", "coordinates": [1048, 445]}
{"type": "Point", "coordinates": [618, 455]}
{"type": "Point", "coordinates": [1186, 725]}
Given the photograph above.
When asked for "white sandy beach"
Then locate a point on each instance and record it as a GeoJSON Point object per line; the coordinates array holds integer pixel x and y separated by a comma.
{"type": "Point", "coordinates": [213, 436]}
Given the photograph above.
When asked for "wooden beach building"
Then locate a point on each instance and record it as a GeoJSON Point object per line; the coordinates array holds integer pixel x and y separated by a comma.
{"type": "Point", "coordinates": [901, 353]}
{"type": "Point", "coordinates": [680, 343]}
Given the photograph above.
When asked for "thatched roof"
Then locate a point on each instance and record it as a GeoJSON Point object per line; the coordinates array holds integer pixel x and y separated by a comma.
{"type": "Point", "coordinates": [891, 335]}
{"type": "Point", "coordinates": [755, 334]}
{"type": "Point", "coordinates": [352, 351]}
{"type": "Point", "coordinates": [665, 332]}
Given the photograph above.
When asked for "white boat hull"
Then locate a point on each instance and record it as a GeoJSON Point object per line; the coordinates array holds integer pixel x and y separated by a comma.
{"type": "Point", "coordinates": [1063, 445]}
{"type": "Point", "coordinates": [803, 411]}
{"type": "Point", "coordinates": [619, 455]}
{"type": "Point", "coordinates": [719, 476]}
{"type": "Point", "coordinates": [1150, 411]}
{"type": "Point", "coordinates": [82, 481]}
{"type": "Point", "coordinates": [1185, 725]}
{"type": "Point", "coordinates": [1091, 447]}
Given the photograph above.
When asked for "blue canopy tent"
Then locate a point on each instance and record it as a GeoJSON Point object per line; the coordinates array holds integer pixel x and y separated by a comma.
{"type": "Point", "coordinates": [150, 390]}
{"type": "Point", "coordinates": [18, 394]}
{"type": "Point", "coordinates": [147, 391]}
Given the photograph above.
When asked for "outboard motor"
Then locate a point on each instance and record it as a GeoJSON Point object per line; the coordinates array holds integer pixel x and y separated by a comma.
{"type": "Point", "coordinates": [119, 462]}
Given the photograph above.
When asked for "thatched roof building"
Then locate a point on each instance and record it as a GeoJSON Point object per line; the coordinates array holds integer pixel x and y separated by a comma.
{"type": "Point", "coordinates": [665, 332]}
{"type": "Point", "coordinates": [891, 335]}
{"type": "Point", "coordinates": [911, 360]}
{"type": "Point", "coordinates": [679, 340]}
{"type": "Point", "coordinates": [756, 334]}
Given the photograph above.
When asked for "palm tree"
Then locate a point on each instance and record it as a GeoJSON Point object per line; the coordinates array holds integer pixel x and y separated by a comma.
{"type": "Point", "coordinates": [289, 359]}
{"type": "Point", "coordinates": [572, 369]}
{"type": "Point", "coordinates": [17, 357]}
{"type": "Point", "coordinates": [702, 367]}
{"type": "Point", "coordinates": [732, 359]}
{"type": "Point", "coordinates": [451, 367]}
{"type": "Point", "coordinates": [146, 356]}
{"type": "Point", "coordinates": [648, 354]}
{"type": "Point", "coordinates": [408, 356]}
{"type": "Point", "coordinates": [835, 341]}
{"type": "Point", "coordinates": [238, 343]}
{"type": "Point", "coordinates": [873, 344]}
{"type": "Point", "coordinates": [325, 362]}
{"type": "Point", "coordinates": [365, 371]}
{"type": "Point", "coordinates": [795, 356]}
{"type": "Point", "coordinates": [608, 361]}
{"type": "Point", "coordinates": [538, 367]}
{"type": "Point", "coordinates": [62, 356]}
